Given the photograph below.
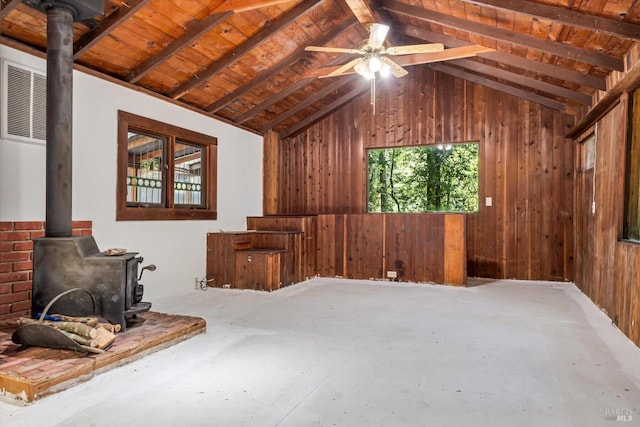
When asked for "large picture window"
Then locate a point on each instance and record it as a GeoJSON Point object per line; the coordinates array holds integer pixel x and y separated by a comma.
{"type": "Point", "coordinates": [632, 196]}
{"type": "Point", "coordinates": [164, 172]}
{"type": "Point", "coordinates": [427, 178]}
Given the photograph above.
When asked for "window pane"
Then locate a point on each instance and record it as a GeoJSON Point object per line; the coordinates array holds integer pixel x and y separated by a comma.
{"type": "Point", "coordinates": [187, 174]}
{"type": "Point", "coordinates": [441, 178]}
{"type": "Point", "coordinates": [632, 199]}
{"type": "Point", "coordinates": [145, 169]}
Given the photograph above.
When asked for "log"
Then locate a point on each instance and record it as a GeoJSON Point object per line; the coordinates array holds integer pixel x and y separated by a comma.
{"type": "Point", "coordinates": [80, 339]}
{"type": "Point", "coordinates": [104, 338]}
{"type": "Point", "coordinates": [89, 321]}
{"type": "Point", "coordinates": [113, 328]}
{"type": "Point", "coordinates": [74, 327]}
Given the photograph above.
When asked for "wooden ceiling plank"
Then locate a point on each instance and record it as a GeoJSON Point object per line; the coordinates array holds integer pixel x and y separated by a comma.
{"type": "Point", "coordinates": [521, 80]}
{"type": "Point", "coordinates": [328, 109]}
{"type": "Point", "coordinates": [249, 114]}
{"type": "Point", "coordinates": [8, 6]}
{"type": "Point", "coordinates": [234, 56]}
{"type": "Point", "coordinates": [509, 59]}
{"type": "Point", "coordinates": [244, 5]}
{"type": "Point", "coordinates": [290, 60]}
{"type": "Point", "coordinates": [362, 12]}
{"type": "Point", "coordinates": [500, 34]}
{"type": "Point", "coordinates": [193, 33]}
{"type": "Point", "coordinates": [574, 18]}
{"type": "Point", "coordinates": [324, 92]}
{"type": "Point", "coordinates": [501, 87]}
{"type": "Point", "coordinates": [107, 25]}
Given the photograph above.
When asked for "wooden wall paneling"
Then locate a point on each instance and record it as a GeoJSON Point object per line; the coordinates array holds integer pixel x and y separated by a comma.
{"type": "Point", "coordinates": [429, 257]}
{"type": "Point", "coordinates": [508, 135]}
{"type": "Point", "coordinates": [538, 140]}
{"type": "Point", "coordinates": [400, 246]}
{"type": "Point", "coordinates": [326, 245]}
{"type": "Point", "coordinates": [566, 238]}
{"type": "Point", "coordinates": [270, 175]}
{"type": "Point", "coordinates": [364, 252]}
{"type": "Point", "coordinates": [523, 196]}
{"type": "Point", "coordinates": [455, 250]}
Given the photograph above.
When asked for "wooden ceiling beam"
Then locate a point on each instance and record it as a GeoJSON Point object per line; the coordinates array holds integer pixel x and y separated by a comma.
{"type": "Point", "coordinates": [362, 12]}
{"type": "Point", "coordinates": [574, 18]}
{"type": "Point", "coordinates": [299, 54]}
{"type": "Point", "coordinates": [254, 41]}
{"type": "Point", "coordinates": [506, 58]}
{"type": "Point", "coordinates": [244, 5]}
{"type": "Point", "coordinates": [501, 87]}
{"type": "Point", "coordinates": [327, 109]}
{"type": "Point", "coordinates": [107, 25]}
{"type": "Point", "coordinates": [324, 92]}
{"type": "Point", "coordinates": [194, 32]}
{"type": "Point", "coordinates": [8, 6]}
{"type": "Point", "coordinates": [560, 49]}
{"type": "Point", "coordinates": [521, 80]}
{"type": "Point", "coordinates": [249, 114]}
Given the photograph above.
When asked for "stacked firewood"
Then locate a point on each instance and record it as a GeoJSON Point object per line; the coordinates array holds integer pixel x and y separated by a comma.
{"type": "Point", "coordinates": [93, 335]}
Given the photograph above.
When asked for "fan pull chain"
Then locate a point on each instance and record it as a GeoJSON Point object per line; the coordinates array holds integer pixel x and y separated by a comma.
{"type": "Point", "coordinates": [373, 93]}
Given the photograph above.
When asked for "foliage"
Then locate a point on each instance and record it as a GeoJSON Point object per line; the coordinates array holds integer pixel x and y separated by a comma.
{"type": "Point", "coordinates": [423, 179]}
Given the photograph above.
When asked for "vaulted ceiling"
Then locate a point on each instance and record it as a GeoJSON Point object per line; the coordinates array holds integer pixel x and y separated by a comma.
{"type": "Point", "coordinates": [245, 61]}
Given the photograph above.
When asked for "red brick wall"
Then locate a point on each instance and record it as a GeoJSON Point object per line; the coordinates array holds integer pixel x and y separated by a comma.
{"type": "Point", "coordinates": [16, 263]}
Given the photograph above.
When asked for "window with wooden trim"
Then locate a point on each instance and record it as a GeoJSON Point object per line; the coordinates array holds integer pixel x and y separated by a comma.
{"type": "Point", "coordinates": [164, 172]}
{"type": "Point", "coordinates": [424, 178]}
{"type": "Point", "coordinates": [632, 189]}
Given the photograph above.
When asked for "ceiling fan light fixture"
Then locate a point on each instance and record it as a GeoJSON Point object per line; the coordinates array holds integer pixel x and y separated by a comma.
{"type": "Point", "coordinates": [362, 68]}
{"type": "Point", "coordinates": [375, 64]}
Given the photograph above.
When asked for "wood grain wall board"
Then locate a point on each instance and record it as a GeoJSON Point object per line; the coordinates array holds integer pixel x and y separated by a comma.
{"type": "Point", "coordinates": [364, 246]}
{"type": "Point", "coordinates": [400, 247]}
{"type": "Point", "coordinates": [455, 250]}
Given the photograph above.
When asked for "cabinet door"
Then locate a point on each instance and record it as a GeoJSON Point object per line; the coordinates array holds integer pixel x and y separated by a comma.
{"type": "Point", "coordinates": [257, 270]}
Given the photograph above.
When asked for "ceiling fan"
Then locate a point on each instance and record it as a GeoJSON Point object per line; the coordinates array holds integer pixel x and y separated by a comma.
{"type": "Point", "coordinates": [374, 56]}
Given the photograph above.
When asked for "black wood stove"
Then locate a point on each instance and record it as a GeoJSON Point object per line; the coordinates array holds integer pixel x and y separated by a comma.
{"type": "Point", "coordinates": [63, 262]}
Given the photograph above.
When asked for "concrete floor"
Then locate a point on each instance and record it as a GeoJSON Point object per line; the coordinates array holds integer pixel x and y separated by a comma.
{"type": "Point", "coordinates": [331, 352]}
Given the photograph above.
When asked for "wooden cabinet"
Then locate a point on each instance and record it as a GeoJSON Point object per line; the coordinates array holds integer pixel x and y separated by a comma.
{"type": "Point", "coordinates": [304, 223]}
{"type": "Point", "coordinates": [258, 269]}
{"type": "Point", "coordinates": [236, 258]}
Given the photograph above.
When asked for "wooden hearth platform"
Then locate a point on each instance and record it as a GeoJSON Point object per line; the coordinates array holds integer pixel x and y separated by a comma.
{"type": "Point", "coordinates": [31, 373]}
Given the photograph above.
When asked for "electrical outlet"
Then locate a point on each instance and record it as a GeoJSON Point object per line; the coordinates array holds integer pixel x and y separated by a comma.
{"type": "Point", "coordinates": [392, 274]}
{"type": "Point", "coordinates": [488, 201]}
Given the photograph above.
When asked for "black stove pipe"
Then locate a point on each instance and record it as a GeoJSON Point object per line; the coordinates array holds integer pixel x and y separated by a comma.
{"type": "Point", "coordinates": [59, 120]}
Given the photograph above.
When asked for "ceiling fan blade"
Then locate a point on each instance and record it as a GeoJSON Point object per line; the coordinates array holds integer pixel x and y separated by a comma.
{"type": "Point", "coordinates": [378, 34]}
{"type": "Point", "coordinates": [331, 49]}
{"type": "Point", "coordinates": [415, 48]}
{"type": "Point", "coordinates": [343, 68]}
{"type": "Point", "coordinates": [446, 55]}
{"type": "Point", "coordinates": [396, 70]}
{"type": "Point", "coordinates": [244, 5]}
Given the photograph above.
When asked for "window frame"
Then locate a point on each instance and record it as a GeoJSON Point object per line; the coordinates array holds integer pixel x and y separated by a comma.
{"type": "Point", "coordinates": [208, 209]}
{"type": "Point", "coordinates": [632, 169]}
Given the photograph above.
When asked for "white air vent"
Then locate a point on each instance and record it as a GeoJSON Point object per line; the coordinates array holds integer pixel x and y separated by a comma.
{"type": "Point", "coordinates": [24, 104]}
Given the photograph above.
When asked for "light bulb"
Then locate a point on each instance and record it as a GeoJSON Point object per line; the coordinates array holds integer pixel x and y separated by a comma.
{"type": "Point", "coordinates": [385, 71]}
{"type": "Point", "coordinates": [375, 64]}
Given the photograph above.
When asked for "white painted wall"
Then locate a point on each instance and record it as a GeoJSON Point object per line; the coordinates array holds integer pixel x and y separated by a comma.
{"type": "Point", "coordinates": [178, 248]}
